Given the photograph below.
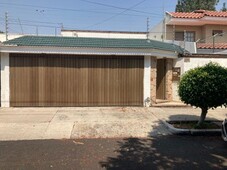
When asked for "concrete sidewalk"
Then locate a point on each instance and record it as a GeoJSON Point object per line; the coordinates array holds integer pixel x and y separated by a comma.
{"type": "Point", "coordinates": [80, 122]}
{"type": "Point", "coordinates": [92, 122]}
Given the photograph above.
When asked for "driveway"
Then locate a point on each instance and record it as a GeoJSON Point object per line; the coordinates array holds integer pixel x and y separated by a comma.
{"type": "Point", "coordinates": [80, 122]}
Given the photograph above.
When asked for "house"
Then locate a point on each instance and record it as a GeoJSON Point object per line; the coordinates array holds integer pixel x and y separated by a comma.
{"type": "Point", "coordinates": [207, 28]}
{"type": "Point", "coordinates": [82, 71]}
{"type": "Point", "coordinates": [103, 34]}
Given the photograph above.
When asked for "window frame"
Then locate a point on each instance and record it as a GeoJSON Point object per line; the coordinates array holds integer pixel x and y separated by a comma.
{"type": "Point", "coordinates": [190, 38]}
{"type": "Point", "coordinates": [220, 32]}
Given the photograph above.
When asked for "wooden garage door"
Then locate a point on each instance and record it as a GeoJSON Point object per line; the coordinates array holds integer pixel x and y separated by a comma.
{"type": "Point", "coordinates": [66, 80]}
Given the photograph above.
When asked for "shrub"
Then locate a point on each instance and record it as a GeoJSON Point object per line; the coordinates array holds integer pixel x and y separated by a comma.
{"type": "Point", "coordinates": [204, 87]}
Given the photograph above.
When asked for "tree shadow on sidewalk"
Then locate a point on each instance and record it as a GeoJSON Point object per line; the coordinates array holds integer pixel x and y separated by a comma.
{"type": "Point", "coordinates": [168, 152]}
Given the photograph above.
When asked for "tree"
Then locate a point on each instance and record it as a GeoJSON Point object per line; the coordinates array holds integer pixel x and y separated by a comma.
{"type": "Point", "coordinates": [224, 9]}
{"type": "Point", "coordinates": [204, 87]}
{"type": "Point", "coordinates": [192, 5]}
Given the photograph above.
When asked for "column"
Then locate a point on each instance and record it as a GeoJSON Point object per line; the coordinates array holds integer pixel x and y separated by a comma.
{"type": "Point", "coordinates": [146, 81]}
{"type": "Point", "coordinates": [169, 74]}
{"type": "Point", "coordinates": [153, 79]}
{"type": "Point", "coordinates": [5, 90]}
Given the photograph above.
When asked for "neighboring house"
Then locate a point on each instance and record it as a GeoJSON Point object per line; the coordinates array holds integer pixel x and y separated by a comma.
{"type": "Point", "coordinates": [200, 32]}
{"type": "Point", "coordinates": [78, 71]}
{"type": "Point", "coordinates": [207, 28]}
{"type": "Point", "coordinates": [104, 34]}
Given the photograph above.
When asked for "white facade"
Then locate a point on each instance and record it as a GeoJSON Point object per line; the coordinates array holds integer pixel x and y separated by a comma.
{"type": "Point", "coordinates": [104, 34]}
{"type": "Point", "coordinates": [5, 98]}
{"type": "Point", "coordinates": [187, 63]}
{"type": "Point", "coordinates": [157, 32]}
{"type": "Point", "coordinates": [147, 79]}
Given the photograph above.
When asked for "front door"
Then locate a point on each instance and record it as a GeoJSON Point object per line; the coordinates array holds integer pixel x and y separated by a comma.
{"type": "Point", "coordinates": [161, 82]}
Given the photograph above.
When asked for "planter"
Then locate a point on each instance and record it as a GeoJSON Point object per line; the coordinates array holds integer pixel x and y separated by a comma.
{"type": "Point", "coordinates": [180, 131]}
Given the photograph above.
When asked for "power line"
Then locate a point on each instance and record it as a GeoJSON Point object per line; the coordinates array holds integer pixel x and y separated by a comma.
{"type": "Point", "coordinates": [22, 31]}
{"type": "Point", "coordinates": [20, 23]}
{"type": "Point", "coordinates": [37, 27]}
{"type": "Point", "coordinates": [65, 9]}
{"type": "Point", "coordinates": [70, 9]}
{"type": "Point", "coordinates": [48, 26]}
{"type": "Point", "coordinates": [107, 19]}
{"type": "Point", "coordinates": [16, 22]}
{"type": "Point", "coordinates": [33, 25]}
{"type": "Point", "coordinates": [116, 7]}
{"type": "Point", "coordinates": [31, 21]}
{"type": "Point", "coordinates": [27, 24]}
{"type": "Point", "coordinates": [37, 6]}
{"type": "Point", "coordinates": [14, 31]}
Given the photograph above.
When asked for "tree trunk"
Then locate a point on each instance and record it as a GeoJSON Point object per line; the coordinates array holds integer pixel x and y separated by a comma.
{"type": "Point", "coordinates": [202, 116]}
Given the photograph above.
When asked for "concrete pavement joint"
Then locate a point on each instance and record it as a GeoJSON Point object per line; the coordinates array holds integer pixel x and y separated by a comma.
{"type": "Point", "coordinates": [72, 130]}
{"type": "Point", "coordinates": [51, 121]}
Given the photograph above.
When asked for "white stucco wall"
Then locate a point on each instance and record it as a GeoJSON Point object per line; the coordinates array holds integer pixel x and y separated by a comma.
{"type": "Point", "coordinates": [146, 81]}
{"type": "Point", "coordinates": [156, 32]}
{"type": "Point", "coordinates": [189, 63]}
{"type": "Point", "coordinates": [5, 80]}
{"type": "Point", "coordinates": [10, 36]}
{"type": "Point", "coordinates": [196, 62]}
{"type": "Point", "coordinates": [103, 34]}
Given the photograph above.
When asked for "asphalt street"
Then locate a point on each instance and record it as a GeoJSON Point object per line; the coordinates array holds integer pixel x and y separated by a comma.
{"type": "Point", "coordinates": [162, 152]}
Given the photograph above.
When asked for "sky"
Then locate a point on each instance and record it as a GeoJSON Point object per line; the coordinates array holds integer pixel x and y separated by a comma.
{"type": "Point", "coordinates": [49, 16]}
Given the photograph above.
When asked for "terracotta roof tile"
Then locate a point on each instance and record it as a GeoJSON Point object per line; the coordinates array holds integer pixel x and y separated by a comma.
{"type": "Point", "coordinates": [198, 14]}
{"type": "Point", "coordinates": [216, 14]}
{"type": "Point", "coordinates": [187, 15]}
{"type": "Point", "coordinates": [210, 45]}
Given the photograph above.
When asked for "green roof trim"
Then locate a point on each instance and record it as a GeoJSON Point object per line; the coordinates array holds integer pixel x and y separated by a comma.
{"type": "Point", "coordinates": [58, 41]}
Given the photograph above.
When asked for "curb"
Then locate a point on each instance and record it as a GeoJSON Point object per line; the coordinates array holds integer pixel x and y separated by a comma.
{"type": "Point", "coordinates": [192, 132]}
{"type": "Point", "coordinates": [170, 106]}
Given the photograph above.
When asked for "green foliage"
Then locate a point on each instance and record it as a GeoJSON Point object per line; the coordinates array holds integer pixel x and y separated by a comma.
{"type": "Point", "coordinates": [204, 87]}
{"type": "Point", "coordinates": [192, 5]}
{"type": "Point", "coordinates": [224, 9]}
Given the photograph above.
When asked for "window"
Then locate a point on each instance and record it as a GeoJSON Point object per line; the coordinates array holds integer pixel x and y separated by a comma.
{"type": "Point", "coordinates": [189, 36]}
{"type": "Point", "coordinates": [179, 36]}
{"type": "Point", "coordinates": [220, 32]}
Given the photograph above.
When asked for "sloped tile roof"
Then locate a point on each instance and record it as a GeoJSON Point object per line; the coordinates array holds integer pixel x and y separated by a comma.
{"type": "Point", "coordinates": [198, 14]}
{"type": "Point", "coordinates": [92, 43]}
{"type": "Point", "coordinates": [210, 45]}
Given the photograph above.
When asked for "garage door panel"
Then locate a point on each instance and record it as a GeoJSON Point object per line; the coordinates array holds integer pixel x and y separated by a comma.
{"type": "Point", "coordinates": [64, 80]}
